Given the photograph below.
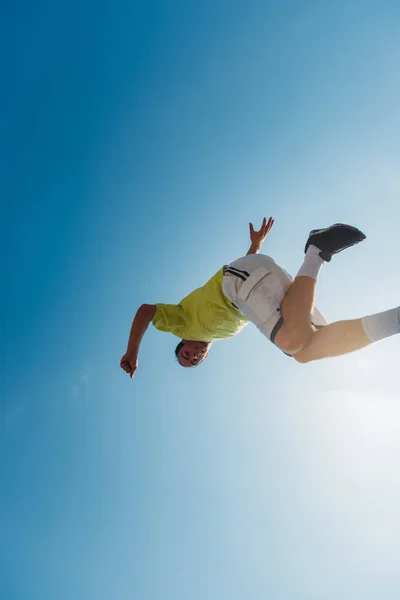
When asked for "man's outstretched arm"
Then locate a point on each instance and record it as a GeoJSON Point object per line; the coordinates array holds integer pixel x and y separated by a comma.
{"type": "Point", "coordinates": [143, 317]}
{"type": "Point", "coordinates": [257, 237]}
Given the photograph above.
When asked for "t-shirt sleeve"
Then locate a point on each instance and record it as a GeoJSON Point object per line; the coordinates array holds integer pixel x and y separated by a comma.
{"type": "Point", "coordinates": [170, 318]}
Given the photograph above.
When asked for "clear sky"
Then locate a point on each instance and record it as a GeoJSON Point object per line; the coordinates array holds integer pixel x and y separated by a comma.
{"type": "Point", "coordinates": [138, 140]}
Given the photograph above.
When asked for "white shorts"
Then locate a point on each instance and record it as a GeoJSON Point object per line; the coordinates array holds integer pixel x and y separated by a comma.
{"type": "Point", "coordinates": [256, 285]}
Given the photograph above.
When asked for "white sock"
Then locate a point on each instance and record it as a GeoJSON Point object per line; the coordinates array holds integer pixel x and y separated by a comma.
{"type": "Point", "coordinates": [382, 325]}
{"type": "Point", "coordinates": [312, 263]}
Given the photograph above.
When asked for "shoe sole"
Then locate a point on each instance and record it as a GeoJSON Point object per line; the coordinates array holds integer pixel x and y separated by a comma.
{"type": "Point", "coordinates": [327, 256]}
{"type": "Point", "coordinates": [343, 225]}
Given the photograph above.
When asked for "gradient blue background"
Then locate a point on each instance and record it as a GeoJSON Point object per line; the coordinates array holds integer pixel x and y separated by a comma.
{"type": "Point", "coordinates": [138, 140]}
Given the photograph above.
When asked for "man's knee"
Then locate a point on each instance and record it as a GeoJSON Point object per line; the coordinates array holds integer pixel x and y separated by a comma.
{"type": "Point", "coordinates": [291, 340]}
{"type": "Point", "coordinates": [302, 357]}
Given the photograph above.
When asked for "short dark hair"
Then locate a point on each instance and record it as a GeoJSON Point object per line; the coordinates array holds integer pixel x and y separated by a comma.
{"type": "Point", "coordinates": [177, 349]}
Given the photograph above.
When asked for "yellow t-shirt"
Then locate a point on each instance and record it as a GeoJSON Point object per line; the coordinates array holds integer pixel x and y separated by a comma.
{"type": "Point", "coordinates": [203, 316]}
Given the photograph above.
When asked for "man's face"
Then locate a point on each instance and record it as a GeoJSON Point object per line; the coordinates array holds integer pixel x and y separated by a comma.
{"type": "Point", "coordinates": [192, 354]}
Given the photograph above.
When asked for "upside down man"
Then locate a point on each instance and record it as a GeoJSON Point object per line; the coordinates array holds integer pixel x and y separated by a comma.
{"type": "Point", "coordinates": [255, 289]}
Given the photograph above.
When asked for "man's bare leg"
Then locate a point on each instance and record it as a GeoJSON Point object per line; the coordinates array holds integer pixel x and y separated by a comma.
{"type": "Point", "coordinates": [306, 343]}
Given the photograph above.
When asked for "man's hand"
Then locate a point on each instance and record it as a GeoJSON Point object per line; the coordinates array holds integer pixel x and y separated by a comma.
{"type": "Point", "coordinates": [129, 363]}
{"type": "Point", "coordinates": [257, 237]}
{"type": "Point", "coordinates": [143, 317]}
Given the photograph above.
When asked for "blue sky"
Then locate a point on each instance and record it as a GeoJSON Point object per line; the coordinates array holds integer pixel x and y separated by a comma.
{"type": "Point", "coordinates": [138, 140]}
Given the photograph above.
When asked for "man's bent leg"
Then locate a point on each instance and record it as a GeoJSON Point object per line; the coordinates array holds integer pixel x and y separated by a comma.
{"type": "Point", "coordinates": [297, 306]}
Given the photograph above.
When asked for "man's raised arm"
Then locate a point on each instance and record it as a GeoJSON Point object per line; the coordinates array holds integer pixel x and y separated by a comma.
{"type": "Point", "coordinates": [143, 317]}
{"type": "Point", "coordinates": [257, 237]}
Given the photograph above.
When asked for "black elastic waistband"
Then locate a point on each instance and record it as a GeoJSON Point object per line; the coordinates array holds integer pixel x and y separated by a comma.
{"type": "Point", "coordinates": [275, 330]}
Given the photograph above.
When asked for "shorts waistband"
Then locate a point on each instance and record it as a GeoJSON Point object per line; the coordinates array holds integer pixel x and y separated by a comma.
{"type": "Point", "coordinates": [274, 332]}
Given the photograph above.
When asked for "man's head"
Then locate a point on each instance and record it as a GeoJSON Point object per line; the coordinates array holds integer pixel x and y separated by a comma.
{"type": "Point", "coordinates": [191, 354]}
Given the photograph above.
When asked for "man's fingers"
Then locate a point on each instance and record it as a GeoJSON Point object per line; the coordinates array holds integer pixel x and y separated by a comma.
{"type": "Point", "coordinates": [265, 226]}
{"type": "Point", "coordinates": [126, 366]}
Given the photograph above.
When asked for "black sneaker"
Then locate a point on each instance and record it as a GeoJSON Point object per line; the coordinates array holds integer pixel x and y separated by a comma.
{"type": "Point", "coordinates": [334, 239]}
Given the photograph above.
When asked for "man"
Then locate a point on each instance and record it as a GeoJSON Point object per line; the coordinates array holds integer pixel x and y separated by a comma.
{"type": "Point", "coordinates": [255, 289]}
